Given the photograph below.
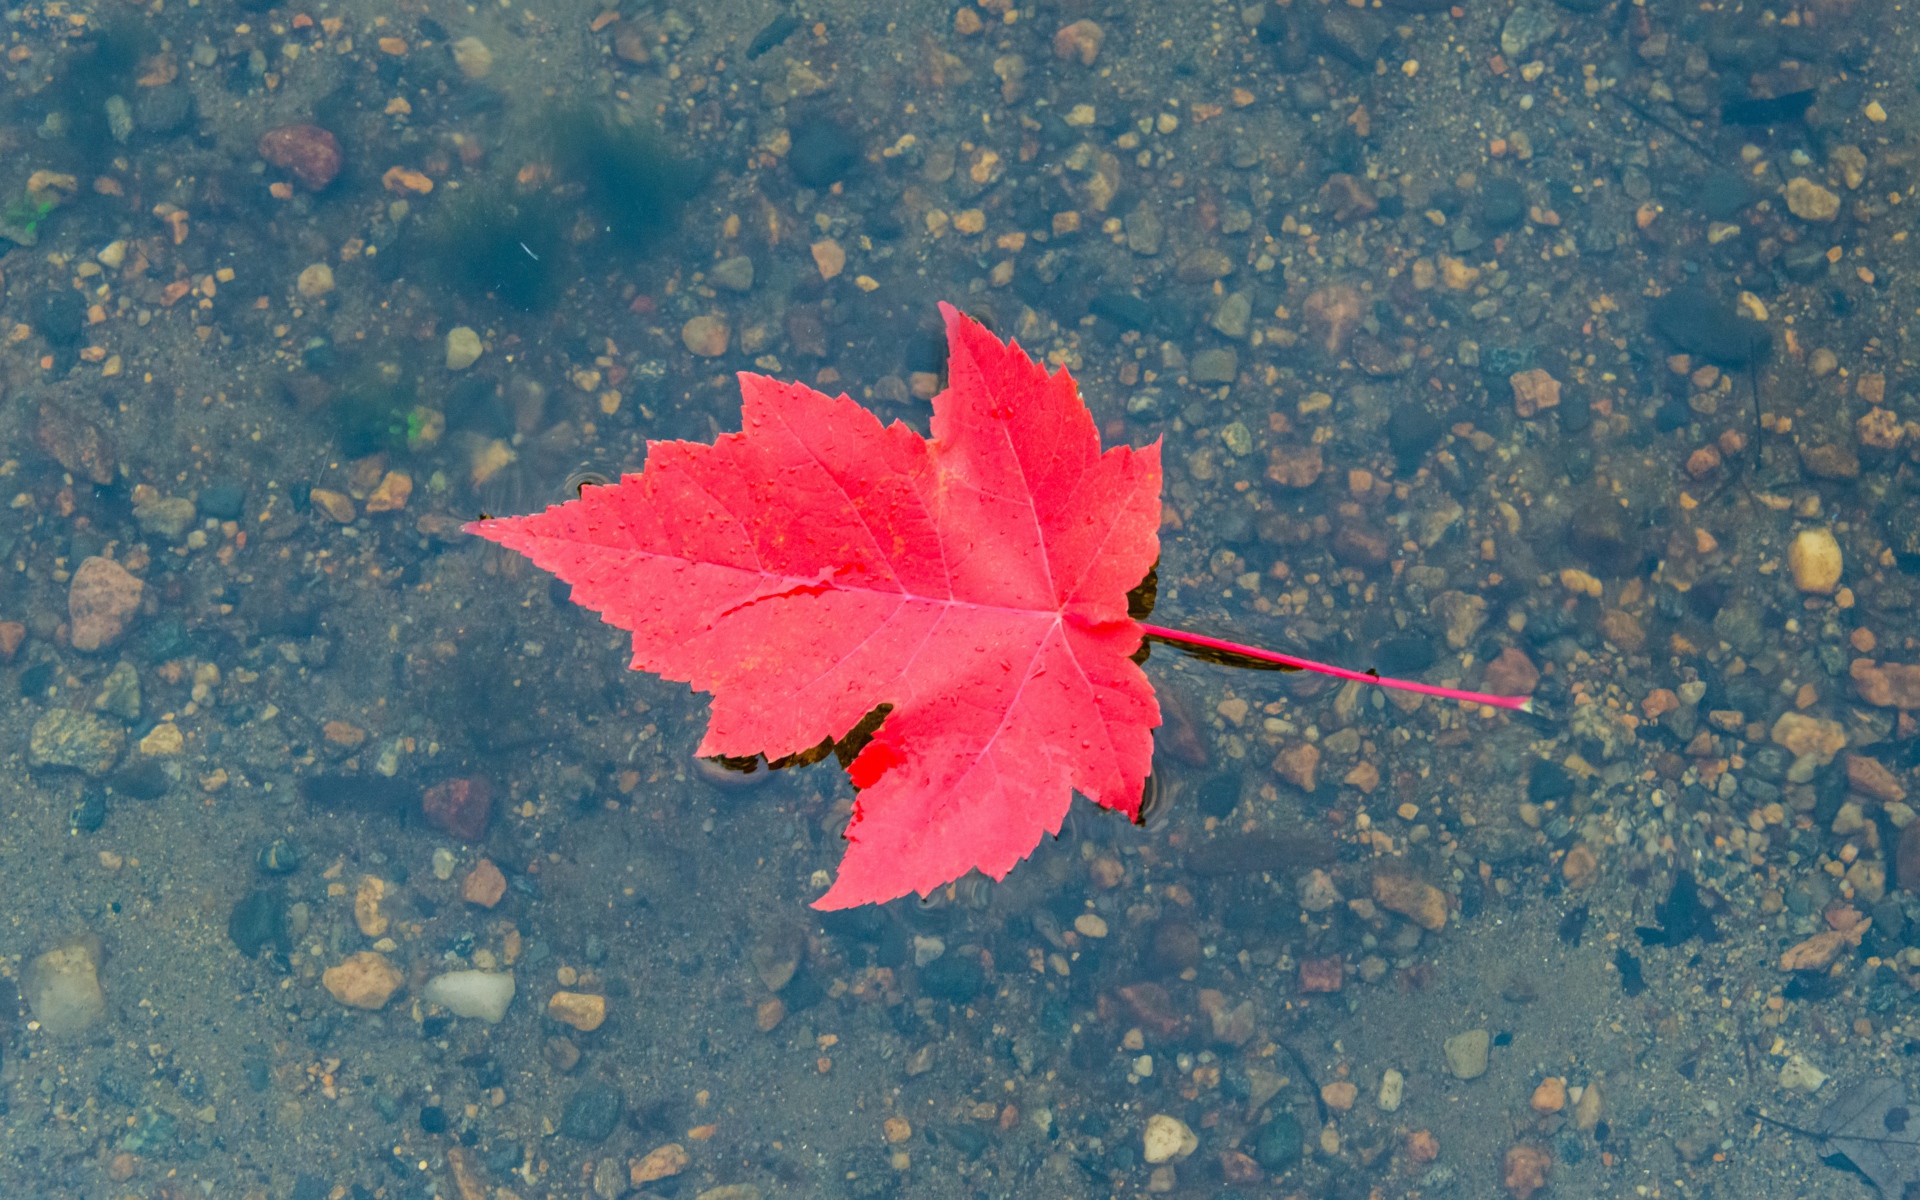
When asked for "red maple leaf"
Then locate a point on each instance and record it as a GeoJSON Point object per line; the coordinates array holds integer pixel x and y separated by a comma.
{"type": "Point", "coordinates": [817, 566]}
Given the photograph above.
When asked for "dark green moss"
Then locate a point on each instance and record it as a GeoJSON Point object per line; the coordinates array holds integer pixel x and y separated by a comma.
{"type": "Point", "coordinates": [628, 176]}
{"type": "Point", "coordinates": [372, 410]}
{"type": "Point", "coordinates": [495, 241]}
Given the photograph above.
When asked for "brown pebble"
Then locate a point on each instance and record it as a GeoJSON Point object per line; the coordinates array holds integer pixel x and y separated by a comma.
{"type": "Point", "coordinates": [661, 1162]}
{"type": "Point", "coordinates": [1322, 974]}
{"type": "Point", "coordinates": [768, 1014]}
{"type": "Point", "coordinates": [101, 599]}
{"type": "Point", "coordinates": [1299, 765]}
{"type": "Point", "coordinates": [582, 1010]}
{"type": "Point", "coordinates": [1580, 867]}
{"type": "Point", "coordinates": [461, 807]}
{"type": "Point", "coordinates": [366, 980]}
{"type": "Point", "coordinates": [1413, 898]}
{"type": "Point", "coordinates": [310, 152]}
{"type": "Point", "coordinates": [1525, 1169]}
{"type": "Point", "coordinates": [1512, 673]}
{"type": "Point", "coordinates": [484, 885]}
{"type": "Point", "coordinates": [1079, 40]}
{"type": "Point", "coordinates": [12, 633]}
{"type": "Point", "coordinates": [706, 336]}
{"type": "Point", "coordinates": [1550, 1096]}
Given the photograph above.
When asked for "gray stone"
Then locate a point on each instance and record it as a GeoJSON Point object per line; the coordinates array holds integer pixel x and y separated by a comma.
{"type": "Point", "coordinates": [1230, 319]}
{"type": "Point", "coordinates": [81, 741]}
{"type": "Point", "coordinates": [734, 274]}
{"type": "Point", "coordinates": [1214, 366]}
{"type": "Point", "coordinates": [1467, 1053]}
{"type": "Point", "coordinates": [1144, 231]}
{"type": "Point", "coordinates": [592, 1113]}
{"type": "Point", "coordinates": [169, 518]}
{"type": "Point", "coordinates": [1355, 34]}
{"type": "Point", "coordinates": [1526, 28]}
{"type": "Point", "coordinates": [1204, 266]}
{"type": "Point", "coordinates": [120, 693]}
{"type": "Point", "coordinates": [62, 986]}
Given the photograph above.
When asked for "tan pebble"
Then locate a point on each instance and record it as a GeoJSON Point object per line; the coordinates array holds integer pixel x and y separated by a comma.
{"type": "Point", "coordinates": [338, 507]}
{"type": "Point", "coordinates": [1534, 391]}
{"type": "Point", "coordinates": [706, 336]}
{"type": "Point", "coordinates": [1413, 898]}
{"type": "Point", "coordinates": [1090, 925]}
{"type": "Point", "coordinates": [366, 906]}
{"type": "Point", "coordinates": [1814, 558]}
{"type": "Point", "coordinates": [315, 282]}
{"type": "Point", "coordinates": [1524, 1171]}
{"type": "Point", "coordinates": [582, 1010]}
{"type": "Point", "coordinates": [1107, 872]}
{"type": "Point", "coordinates": [391, 495]}
{"type": "Point", "coordinates": [473, 58]}
{"type": "Point", "coordinates": [1168, 1138]}
{"type": "Point", "coordinates": [967, 22]}
{"type": "Point", "coordinates": [343, 733]}
{"type": "Point", "coordinates": [1550, 1096]}
{"type": "Point", "coordinates": [484, 885]}
{"type": "Point", "coordinates": [769, 1013]}
{"type": "Point", "coordinates": [1809, 201]}
{"type": "Point", "coordinates": [1814, 954]}
{"type": "Point", "coordinates": [1340, 1095]}
{"type": "Point", "coordinates": [829, 258]}
{"type": "Point", "coordinates": [1079, 40]}
{"type": "Point", "coordinates": [661, 1162]}
{"type": "Point", "coordinates": [366, 980]}
{"type": "Point", "coordinates": [165, 739]}
{"type": "Point", "coordinates": [897, 1130]}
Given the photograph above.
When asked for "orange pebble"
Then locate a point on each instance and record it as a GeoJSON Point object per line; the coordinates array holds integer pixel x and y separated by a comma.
{"type": "Point", "coordinates": [1550, 1096]}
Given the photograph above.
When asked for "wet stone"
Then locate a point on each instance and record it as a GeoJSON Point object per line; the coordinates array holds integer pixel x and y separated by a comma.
{"type": "Point", "coordinates": [735, 274]}
{"type": "Point", "coordinates": [1466, 1053]}
{"type": "Point", "coordinates": [119, 693]}
{"type": "Point", "coordinates": [1204, 266]}
{"type": "Point", "coordinates": [1280, 1142]}
{"type": "Point", "coordinates": [1218, 365]}
{"type": "Point", "coordinates": [1525, 28]}
{"type": "Point", "coordinates": [169, 517]}
{"type": "Point", "coordinates": [79, 741]}
{"type": "Point", "coordinates": [1144, 231]}
{"type": "Point", "coordinates": [822, 153]}
{"type": "Point", "coordinates": [1230, 319]}
{"type": "Point", "coordinates": [1353, 33]}
{"type": "Point", "coordinates": [62, 986]}
{"type": "Point", "coordinates": [592, 1113]}
{"type": "Point", "coordinates": [224, 501]}
{"type": "Point", "coordinates": [1503, 203]}
{"type": "Point", "coordinates": [461, 807]}
{"type": "Point", "coordinates": [101, 599]}
{"type": "Point", "coordinates": [259, 921]}
{"type": "Point", "coordinates": [1700, 324]}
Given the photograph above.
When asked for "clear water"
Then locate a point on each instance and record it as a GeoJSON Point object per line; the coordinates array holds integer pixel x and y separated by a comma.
{"type": "Point", "coordinates": [1557, 346]}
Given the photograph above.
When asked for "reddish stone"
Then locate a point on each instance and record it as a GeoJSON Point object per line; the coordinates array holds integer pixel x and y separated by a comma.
{"type": "Point", "coordinates": [1322, 974]}
{"type": "Point", "coordinates": [1512, 673]}
{"type": "Point", "coordinates": [461, 807]}
{"type": "Point", "coordinates": [12, 633]}
{"type": "Point", "coordinates": [1152, 1006]}
{"type": "Point", "coordinates": [310, 152]}
{"type": "Point", "coordinates": [1237, 1170]}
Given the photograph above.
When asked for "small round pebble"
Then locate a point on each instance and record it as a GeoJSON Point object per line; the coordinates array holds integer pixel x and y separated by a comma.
{"type": "Point", "coordinates": [1090, 925]}
{"type": "Point", "coordinates": [1814, 558]}
{"type": "Point", "coordinates": [706, 336]}
{"type": "Point", "coordinates": [463, 348]}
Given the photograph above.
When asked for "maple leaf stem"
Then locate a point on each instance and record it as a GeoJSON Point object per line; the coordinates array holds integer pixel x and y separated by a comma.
{"type": "Point", "coordinates": [1180, 637]}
